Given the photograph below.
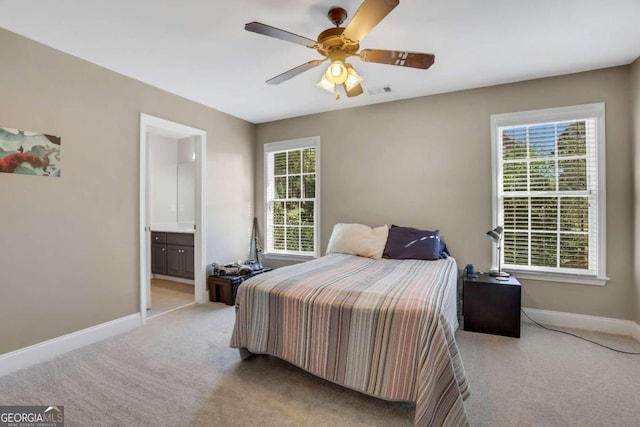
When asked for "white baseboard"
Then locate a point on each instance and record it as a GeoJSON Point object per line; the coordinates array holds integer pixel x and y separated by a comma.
{"type": "Point", "coordinates": [635, 331]}
{"type": "Point", "coordinates": [582, 321]}
{"type": "Point", "coordinates": [47, 350]}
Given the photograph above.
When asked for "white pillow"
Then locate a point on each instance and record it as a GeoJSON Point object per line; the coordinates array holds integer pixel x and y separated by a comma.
{"type": "Point", "coordinates": [358, 239]}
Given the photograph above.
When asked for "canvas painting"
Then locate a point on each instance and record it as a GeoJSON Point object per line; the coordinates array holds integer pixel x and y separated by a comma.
{"type": "Point", "coordinates": [29, 153]}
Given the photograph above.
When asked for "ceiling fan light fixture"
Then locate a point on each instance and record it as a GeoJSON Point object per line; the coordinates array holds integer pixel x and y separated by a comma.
{"type": "Point", "coordinates": [337, 44]}
{"type": "Point", "coordinates": [337, 72]}
{"type": "Point", "coordinates": [353, 78]}
{"type": "Point", "coordinates": [325, 84]}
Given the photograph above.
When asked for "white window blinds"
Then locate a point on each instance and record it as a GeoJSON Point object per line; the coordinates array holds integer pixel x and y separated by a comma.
{"type": "Point", "coordinates": [549, 190]}
{"type": "Point", "coordinates": [291, 197]}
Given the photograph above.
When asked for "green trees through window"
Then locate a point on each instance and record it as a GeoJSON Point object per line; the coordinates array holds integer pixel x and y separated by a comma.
{"type": "Point", "coordinates": [545, 195]}
{"type": "Point", "coordinates": [293, 202]}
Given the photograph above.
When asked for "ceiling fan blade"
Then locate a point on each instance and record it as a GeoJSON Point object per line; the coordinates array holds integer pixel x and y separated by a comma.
{"type": "Point", "coordinates": [294, 72]}
{"type": "Point", "coordinates": [370, 13]}
{"type": "Point", "coordinates": [353, 92]}
{"type": "Point", "coordinates": [267, 30]}
{"type": "Point", "coordinates": [402, 59]}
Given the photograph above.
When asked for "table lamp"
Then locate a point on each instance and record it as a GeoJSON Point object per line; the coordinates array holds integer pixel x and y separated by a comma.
{"type": "Point", "coordinates": [496, 236]}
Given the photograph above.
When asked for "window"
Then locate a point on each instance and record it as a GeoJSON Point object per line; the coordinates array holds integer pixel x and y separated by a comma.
{"type": "Point", "coordinates": [292, 192]}
{"type": "Point", "coordinates": [549, 192]}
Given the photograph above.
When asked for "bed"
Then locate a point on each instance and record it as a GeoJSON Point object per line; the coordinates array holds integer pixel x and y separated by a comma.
{"type": "Point", "coordinates": [384, 327]}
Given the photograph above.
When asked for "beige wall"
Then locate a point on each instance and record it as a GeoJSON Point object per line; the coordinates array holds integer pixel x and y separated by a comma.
{"type": "Point", "coordinates": [426, 162]}
{"type": "Point", "coordinates": [635, 117]}
{"type": "Point", "coordinates": [69, 246]}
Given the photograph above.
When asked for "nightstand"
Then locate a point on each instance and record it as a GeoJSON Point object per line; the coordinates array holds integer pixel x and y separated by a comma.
{"type": "Point", "coordinates": [224, 288]}
{"type": "Point", "coordinates": [491, 306]}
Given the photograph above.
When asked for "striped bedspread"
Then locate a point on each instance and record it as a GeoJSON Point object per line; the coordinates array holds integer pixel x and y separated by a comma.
{"type": "Point", "coordinates": [382, 327]}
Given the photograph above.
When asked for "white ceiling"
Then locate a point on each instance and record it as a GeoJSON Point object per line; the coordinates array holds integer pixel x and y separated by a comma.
{"type": "Point", "coordinates": [199, 49]}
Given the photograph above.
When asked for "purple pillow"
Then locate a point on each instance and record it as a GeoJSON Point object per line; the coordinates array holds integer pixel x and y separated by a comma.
{"type": "Point", "coordinates": [411, 243]}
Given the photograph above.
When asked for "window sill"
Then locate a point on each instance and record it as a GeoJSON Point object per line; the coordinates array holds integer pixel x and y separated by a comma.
{"type": "Point", "coordinates": [288, 257]}
{"type": "Point", "coordinates": [563, 278]}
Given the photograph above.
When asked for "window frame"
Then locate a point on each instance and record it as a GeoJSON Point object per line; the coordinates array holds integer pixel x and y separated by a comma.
{"type": "Point", "coordinates": [290, 145]}
{"type": "Point", "coordinates": [527, 118]}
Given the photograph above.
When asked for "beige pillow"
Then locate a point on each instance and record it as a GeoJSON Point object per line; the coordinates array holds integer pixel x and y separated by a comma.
{"type": "Point", "coordinates": [358, 239]}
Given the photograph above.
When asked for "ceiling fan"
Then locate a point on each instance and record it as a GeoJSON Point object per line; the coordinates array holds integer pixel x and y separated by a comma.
{"type": "Point", "coordinates": [337, 44]}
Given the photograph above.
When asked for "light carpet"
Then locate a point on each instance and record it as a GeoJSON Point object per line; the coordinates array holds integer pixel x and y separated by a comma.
{"type": "Point", "coordinates": [178, 370]}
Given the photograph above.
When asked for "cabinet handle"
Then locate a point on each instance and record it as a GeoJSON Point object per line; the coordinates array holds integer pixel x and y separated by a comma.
{"type": "Point", "coordinates": [163, 249]}
{"type": "Point", "coordinates": [157, 238]}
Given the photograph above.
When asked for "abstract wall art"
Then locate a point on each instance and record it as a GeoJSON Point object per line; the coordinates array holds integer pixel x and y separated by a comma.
{"type": "Point", "coordinates": [29, 153]}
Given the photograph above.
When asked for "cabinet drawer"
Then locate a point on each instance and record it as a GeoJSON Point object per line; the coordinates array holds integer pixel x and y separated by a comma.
{"type": "Point", "coordinates": [179, 239]}
{"type": "Point", "coordinates": [158, 237]}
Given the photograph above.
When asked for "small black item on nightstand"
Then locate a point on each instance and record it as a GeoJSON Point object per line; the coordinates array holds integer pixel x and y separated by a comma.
{"type": "Point", "coordinates": [470, 271]}
{"type": "Point", "coordinates": [492, 306]}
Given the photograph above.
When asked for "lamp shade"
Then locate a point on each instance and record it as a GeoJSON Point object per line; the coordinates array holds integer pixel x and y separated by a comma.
{"type": "Point", "coordinates": [353, 78]}
{"type": "Point", "coordinates": [337, 72]}
{"type": "Point", "coordinates": [496, 234]}
{"type": "Point", "coordinates": [326, 84]}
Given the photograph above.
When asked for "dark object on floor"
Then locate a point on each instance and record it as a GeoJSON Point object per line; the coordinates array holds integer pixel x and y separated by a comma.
{"type": "Point", "coordinates": [224, 288]}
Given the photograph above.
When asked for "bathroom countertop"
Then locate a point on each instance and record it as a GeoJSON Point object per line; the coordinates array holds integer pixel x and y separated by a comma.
{"type": "Point", "coordinates": [172, 229]}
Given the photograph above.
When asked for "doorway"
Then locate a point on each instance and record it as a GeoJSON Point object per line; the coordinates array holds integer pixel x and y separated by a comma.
{"type": "Point", "coordinates": [153, 127]}
{"type": "Point", "coordinates": [168, 295]}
